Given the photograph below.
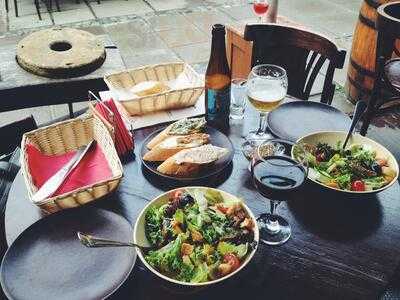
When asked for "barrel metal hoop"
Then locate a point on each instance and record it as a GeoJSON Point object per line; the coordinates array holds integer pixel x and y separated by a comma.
{"type": "Point", "coordinates": [373, 3]}
{"type": "Point", "coordinates": [358, 86]}
{"type": "Point", "coordinates": [366, 21]}
{"type": "Point", "coordinates": [362, 70]}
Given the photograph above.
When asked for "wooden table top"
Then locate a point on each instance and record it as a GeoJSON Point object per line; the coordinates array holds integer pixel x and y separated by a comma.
{"type": "Point", "coordinates": [341, 248]}
{"type": "Point", "coordinates": [21, 89]}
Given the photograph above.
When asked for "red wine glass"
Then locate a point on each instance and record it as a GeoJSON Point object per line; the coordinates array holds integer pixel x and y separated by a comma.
{"type": "Point", "coordinates": [277, 177]}
{"type": "Point", "coordinates": [260, 8]}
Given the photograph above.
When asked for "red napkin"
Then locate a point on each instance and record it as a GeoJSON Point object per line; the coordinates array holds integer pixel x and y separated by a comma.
{"type": "Point", "coordinates": [123, 139]}
{"type": "Point", "coordinates": [91, 169]}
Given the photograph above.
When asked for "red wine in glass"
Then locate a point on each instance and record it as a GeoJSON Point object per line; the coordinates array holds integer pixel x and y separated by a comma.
{"type": "Point", "coordinates": [260, 8]}
{"type": "Point", "coordinates": [278, 177]}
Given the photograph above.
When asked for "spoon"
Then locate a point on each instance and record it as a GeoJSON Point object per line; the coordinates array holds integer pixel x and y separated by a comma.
{"type": "Point", "coordinates": [97, 242]}
{"type": "Point", "coordinates": [358, 112]}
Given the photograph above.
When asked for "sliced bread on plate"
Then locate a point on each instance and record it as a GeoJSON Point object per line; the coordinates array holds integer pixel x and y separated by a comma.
{"type": "Point", "coordinates": [189, 162]}
{"type": "Point", "coordinates": [173, 144]}
{"type": "Point", "coordinates": [181, 127]}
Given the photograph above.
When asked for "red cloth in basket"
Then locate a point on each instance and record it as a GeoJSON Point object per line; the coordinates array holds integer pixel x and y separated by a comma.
{"type": "Point", "coordinates": [91, 169]}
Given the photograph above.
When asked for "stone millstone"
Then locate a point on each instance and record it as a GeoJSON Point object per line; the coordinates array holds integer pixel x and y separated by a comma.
{"type": "Point", "coordinates": [60, 53]}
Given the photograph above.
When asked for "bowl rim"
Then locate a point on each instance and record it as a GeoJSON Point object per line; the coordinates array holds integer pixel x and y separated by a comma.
{"type": "Point", "coordinates": [153, 270]}
{"type": "Point", "coordinates": [363, 137]}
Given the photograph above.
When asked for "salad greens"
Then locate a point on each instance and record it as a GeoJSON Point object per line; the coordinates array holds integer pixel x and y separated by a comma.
{"type": "Point", "coordinates": [199, 235]}
{"type": "Point", "coordinates": [357, 168]}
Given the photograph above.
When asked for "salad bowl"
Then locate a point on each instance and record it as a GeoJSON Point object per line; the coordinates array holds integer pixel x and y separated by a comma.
{"type": "Point", "coordinates": [140, 237]}
{"type": "Point", "coordinates": [334, 139]}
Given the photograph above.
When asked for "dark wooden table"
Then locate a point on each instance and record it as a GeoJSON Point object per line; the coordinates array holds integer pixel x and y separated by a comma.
{"type": "Point", "coordinates": [21, 89]}
{"type": "Point", "coordinates": [341, 248]}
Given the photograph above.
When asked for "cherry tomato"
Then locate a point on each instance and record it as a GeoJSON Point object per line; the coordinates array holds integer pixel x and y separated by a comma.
{"type": "Point", "coordinates": [232, 260]}
{"type": "Point", "coordinates": [320, 156]}
{"type": "Point", "coordinates": [222, 209]}
{"type": "Point", "coordinates": [358, 186]}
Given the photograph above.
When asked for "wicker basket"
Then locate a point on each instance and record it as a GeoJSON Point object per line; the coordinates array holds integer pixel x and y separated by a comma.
{"type": "Point", "coordinates": [67, 136]}
{"type": "Point", "coordinates": [121, 83]}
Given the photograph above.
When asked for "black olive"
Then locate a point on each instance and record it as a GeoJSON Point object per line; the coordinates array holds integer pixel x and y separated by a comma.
{"type": "Point", "coordinates": [376, 168]}
{"type": "Point", "coordinates": [184, 200]}
{"type": "Point", "coordinates": [170, 210]}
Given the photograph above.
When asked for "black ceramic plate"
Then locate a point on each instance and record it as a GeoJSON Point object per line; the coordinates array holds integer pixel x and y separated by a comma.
{"type": "Point", "coordinates": [47, 261]}
{"type": "Point", "coordinates": [217, 138]}
{"type": "Point", "coordinates": [296, 119]}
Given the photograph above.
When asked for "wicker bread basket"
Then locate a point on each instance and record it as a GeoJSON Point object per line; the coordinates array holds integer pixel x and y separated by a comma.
{"type": "Point", "coordinates": [121, 83]}
{"type": "Point", "coordinates": [67, 136]}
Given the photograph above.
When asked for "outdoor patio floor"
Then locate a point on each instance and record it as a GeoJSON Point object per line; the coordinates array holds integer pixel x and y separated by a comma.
{"type": "Point", "coordinates": [155, 31]}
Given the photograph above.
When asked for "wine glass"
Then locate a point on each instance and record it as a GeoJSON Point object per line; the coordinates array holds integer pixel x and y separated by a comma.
{"type": "Point", "coordinates": [266, 89]}
{"type": "Point", "coordinates": [277, 177]}
{"type": "Point", "coordinates": [260, 8]}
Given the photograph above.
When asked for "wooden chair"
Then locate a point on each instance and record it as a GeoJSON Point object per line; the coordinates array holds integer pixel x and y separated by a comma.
{"type": "Point", "coordinates": [386, 90]}
{"type": "Point", "coordinates": [301, 53]}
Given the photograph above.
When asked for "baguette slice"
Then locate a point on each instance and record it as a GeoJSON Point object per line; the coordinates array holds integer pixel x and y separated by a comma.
{"type": "Point", "coordinates": [181, 127]}
{"type": "Point", "coordinates": [188, 162]}
{"type": "Point", "coordinates": [173, 144]}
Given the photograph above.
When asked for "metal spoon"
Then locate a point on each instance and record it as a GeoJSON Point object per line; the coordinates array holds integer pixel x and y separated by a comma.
{"type": "Point", "coordinates": [358, 112]}
{"type": "Point", "coordinates": [97, 242]}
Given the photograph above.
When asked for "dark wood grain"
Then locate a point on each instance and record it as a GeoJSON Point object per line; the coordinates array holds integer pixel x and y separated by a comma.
{"type": "Point", "coordinates": [302, 53]}
{"type": "Point", "coordinates": [341, 248]}
{"type": "Point", "coordinates": [21, 89]}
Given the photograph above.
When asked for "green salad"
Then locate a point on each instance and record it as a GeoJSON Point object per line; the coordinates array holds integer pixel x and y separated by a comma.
{"type": "Point", "coordinates": [198, 235]}
{"type": "Point", "coordinates": [357, 168]}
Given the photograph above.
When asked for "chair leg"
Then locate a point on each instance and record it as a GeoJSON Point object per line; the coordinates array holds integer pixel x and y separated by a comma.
{"type": "Point", "coordinates": [38, 9]}
{"type": "Point", "coordinates": [376, 93]}
{"type": "Point", "coordinates": [7, 8]}
{"type": "Point", "coordinates": [57, 5]}
{"type": "Point", "coordinates": [16, 8]}
{"type": "Point", "coordinates": [71, 110]}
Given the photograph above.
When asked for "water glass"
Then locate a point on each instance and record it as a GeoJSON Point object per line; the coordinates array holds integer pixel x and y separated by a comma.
{"type": "Point", "coordinates": [238, 98]}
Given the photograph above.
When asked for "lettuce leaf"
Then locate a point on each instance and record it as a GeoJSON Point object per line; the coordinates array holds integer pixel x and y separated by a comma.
{"type": "Point", "coordinates": [225, 247]}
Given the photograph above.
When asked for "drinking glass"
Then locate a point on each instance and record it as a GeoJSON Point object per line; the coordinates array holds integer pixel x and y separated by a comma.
{"type": "Point", "coordinates": [278, 178]}
{"type": "Point", "coordinates": [266, 89]}
{"type": "Point", "coordinates": [238, 98]}
{"type": "Point", "coordinates": [260, 8]}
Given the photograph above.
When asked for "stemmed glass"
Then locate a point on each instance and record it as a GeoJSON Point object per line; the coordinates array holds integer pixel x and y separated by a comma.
{"type": "Point", "coordinates": [277, 177]}
{"type": "Point", "coordinates": [260, 8]}
{"type": "Point", "coordinates": [266, 89]}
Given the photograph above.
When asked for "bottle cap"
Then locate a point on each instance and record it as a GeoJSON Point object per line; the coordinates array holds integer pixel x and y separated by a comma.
{"type": "Point", "coordinates": [218, 28]}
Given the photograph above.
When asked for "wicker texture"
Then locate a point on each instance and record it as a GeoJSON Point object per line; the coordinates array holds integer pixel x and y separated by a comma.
{"type": "Point", "coordinates": [121, 83]}
{"type": "Point", "coordinates": [67, 136]}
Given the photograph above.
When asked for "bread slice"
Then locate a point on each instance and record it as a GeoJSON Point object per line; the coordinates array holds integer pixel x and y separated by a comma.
{"type": "Point", "coordinates": [189, 162]}
{"type": "Point", "coordinates": [147, 88]}
{"type": "Point", "coordinates": [181, 127]}
{"type": "Point", "coordinates": [173, 144]}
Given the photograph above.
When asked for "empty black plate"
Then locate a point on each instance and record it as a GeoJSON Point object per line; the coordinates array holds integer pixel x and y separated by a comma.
{"type": "Point", "coordinates": [217, 138]}
{"type": "Point", "coordinates": [296, 119]}
{"type": "Point", "coordinates": [47, 261]}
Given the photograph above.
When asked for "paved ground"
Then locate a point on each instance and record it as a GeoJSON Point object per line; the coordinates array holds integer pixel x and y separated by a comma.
{"type": "Point", "coordinates": [153, 31]}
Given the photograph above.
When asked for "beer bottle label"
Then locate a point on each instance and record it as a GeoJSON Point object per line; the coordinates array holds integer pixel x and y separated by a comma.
{"type": "Point", "coordinates": [218, 103]}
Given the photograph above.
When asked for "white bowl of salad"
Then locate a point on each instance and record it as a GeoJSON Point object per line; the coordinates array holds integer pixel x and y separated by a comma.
{"type": "Point", "coordinates": [364, 167]}
{"type": "Point", "coordinates": [200, 236]}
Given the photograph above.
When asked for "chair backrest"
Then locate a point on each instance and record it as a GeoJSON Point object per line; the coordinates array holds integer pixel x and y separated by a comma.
{"type": "Point", "coordinates": [11, 134]}
{"type": "Point", "coordinates": [302, 53]}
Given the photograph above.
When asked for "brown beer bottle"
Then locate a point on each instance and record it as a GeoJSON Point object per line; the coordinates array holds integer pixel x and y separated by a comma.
{"type": "Point", "coordinates": [218, 81]}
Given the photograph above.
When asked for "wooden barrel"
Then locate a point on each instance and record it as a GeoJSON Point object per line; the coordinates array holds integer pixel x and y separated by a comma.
{"type": "Point", "coordinates": [360, 74]}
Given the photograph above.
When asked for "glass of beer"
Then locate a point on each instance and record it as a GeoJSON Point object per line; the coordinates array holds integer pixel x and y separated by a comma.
{"type": "Point", "coordinates": [266, 89]}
